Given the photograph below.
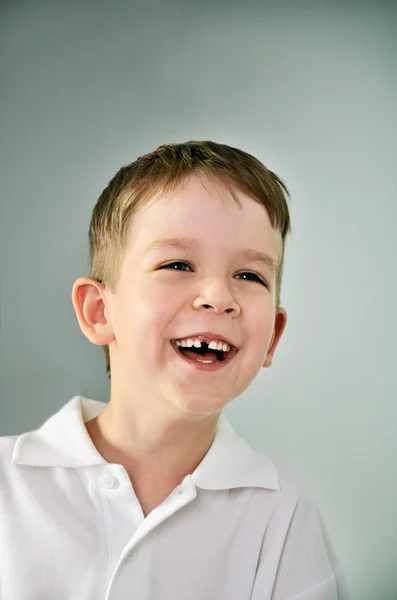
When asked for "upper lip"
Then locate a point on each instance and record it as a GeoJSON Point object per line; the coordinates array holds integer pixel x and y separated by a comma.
{"type": "Point", "coordinates": [208, 336]}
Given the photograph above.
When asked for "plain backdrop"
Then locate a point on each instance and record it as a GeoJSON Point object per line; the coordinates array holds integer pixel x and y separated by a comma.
{"type": "Point", "coordinates": [310, 88]}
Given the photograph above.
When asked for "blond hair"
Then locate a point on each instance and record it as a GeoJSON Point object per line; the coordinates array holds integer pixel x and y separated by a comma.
{"type": "Point", "coordinates": [162, 171]}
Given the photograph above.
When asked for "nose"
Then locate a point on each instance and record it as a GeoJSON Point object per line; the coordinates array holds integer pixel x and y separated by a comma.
{"type": "Point", "coordinates": [217, 297]}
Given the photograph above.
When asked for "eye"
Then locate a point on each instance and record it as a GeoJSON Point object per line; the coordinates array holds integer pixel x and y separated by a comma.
{"type": "Point", "coordinates": [177, 265]}
{"type": "Point", "coordinates": [181, 265]}
{"type": "Point", "coordinates": [249, 276]}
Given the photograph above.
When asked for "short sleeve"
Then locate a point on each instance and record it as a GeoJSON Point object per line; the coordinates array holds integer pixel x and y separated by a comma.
{"type": "Point", "coordinates": [309, 568]}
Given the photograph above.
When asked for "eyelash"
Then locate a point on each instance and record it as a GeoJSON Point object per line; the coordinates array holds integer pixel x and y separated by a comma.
{"type": "Point", "coordinates": [182, 262]}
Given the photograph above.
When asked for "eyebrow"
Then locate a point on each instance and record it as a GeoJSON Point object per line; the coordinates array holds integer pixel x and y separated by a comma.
{"type": "Point", "coordinates": [188, 244]}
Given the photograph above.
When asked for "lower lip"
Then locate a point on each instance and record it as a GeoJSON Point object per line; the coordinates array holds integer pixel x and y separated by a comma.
{"type": "Point", "coordinates": [215, 366]}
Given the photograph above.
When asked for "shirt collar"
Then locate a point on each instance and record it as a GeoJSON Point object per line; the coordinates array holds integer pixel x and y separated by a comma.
{"type": "Point", "coordinates": [63, 441]}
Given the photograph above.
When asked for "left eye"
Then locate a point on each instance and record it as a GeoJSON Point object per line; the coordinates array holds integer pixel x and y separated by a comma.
{"type": "Point", "coordinates": [251, 277]}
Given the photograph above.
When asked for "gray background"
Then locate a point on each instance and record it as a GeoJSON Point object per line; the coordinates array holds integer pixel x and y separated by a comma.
{"type": "Point", "coordinates": [310, 89]}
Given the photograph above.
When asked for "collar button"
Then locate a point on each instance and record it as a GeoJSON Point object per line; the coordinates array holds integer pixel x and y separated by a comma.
{"type": "Point", "coordinates": [106, 481]}
{"type": "Point", "coordinates": [131, 556]}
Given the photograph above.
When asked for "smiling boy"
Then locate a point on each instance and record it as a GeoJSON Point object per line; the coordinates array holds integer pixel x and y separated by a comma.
{"type": "Point", "coordinates": [153, 495]}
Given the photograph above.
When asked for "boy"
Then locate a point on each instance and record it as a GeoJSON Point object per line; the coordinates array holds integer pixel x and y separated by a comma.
{"type": "Point", "coordinates": [153, 495]}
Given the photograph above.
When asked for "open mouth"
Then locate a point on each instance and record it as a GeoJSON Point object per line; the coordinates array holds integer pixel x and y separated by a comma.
{"type": "Point", "coordinates": [206, 354]}
{"type": "Point", "coordinates": [204, 357]}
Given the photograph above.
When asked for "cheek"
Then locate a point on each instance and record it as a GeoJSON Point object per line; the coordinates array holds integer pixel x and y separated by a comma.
{"type": "Point", "coordinates": [261, 327]}
{"type": "Point", "coordinates": [160, 305]}
{"type": "Point", "coordinates": [151, 308]}
{"type": "Point", "coordinates": [260, 315]}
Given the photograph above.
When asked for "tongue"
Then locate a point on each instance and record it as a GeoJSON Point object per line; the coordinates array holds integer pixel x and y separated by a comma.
{"type": "Point", "coordinates": [200, 357]}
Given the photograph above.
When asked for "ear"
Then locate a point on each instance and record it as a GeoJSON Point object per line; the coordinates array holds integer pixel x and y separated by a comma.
{"type": "Point", "coordinates": [89, 301]}
{"type": "Point", "coordinates": [279, 326]}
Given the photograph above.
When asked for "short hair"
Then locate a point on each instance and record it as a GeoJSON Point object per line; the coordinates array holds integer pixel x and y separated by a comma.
{"type": "Point", "coordinates": [162, 171]}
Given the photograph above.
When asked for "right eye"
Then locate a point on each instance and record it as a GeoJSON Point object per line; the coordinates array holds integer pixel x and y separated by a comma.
{"type": "Point", "coordinates": [177, 265]}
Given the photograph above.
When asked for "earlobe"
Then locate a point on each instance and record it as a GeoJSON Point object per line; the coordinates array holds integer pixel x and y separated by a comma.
{"type": "Point", "coordinates": [279, 326]}
{"type": "Point", "coordinates": [88, 300]}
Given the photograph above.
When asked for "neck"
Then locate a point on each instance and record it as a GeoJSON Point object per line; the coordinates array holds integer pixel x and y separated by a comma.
{"type": "Point", "coordinates": [168, 444]}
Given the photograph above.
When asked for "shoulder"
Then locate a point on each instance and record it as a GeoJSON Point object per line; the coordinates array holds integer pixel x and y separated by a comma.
{"type": "Point", "coordinates": [293, 511]}
{"type": "Point", "coordinates": [278, 497]}
{"type": "Point", "coordinates": [306, 528]}
{"type": "Point", "coordinates": [300, 545]}
{"type": "Point", "coordinates": [292, 490]}
{"type": "Point", "coordinates": [288, 480]}
{"type": "Point", "coordinates": [296, 501]}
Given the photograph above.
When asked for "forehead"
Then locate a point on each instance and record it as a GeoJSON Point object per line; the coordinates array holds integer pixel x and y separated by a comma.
{"type": "Point", "coordinates": [205, 210]}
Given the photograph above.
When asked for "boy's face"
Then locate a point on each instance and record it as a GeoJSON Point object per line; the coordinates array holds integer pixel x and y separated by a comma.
{"type": "Point", "coordinates": [206, 290]}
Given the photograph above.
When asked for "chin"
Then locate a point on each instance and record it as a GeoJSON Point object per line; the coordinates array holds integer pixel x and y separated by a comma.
{"type": "Point", "coordinates": [200, 405]}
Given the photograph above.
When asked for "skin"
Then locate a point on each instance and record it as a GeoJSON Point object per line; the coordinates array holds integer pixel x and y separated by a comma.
{"type": "Point", "coordinates": [162, 413]}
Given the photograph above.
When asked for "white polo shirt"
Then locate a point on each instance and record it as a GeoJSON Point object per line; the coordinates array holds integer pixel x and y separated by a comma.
{"type": "Point", "coordinates": [237, 528]}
